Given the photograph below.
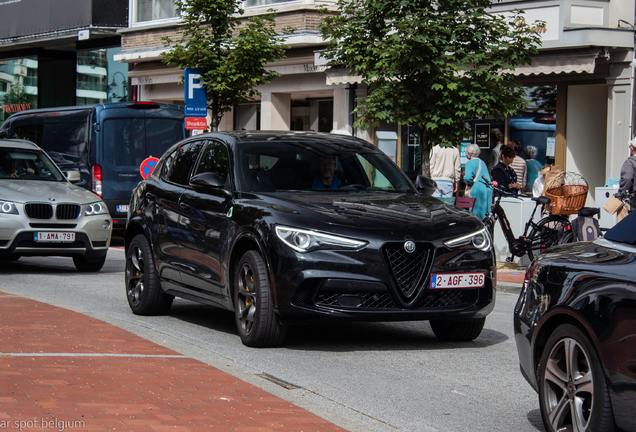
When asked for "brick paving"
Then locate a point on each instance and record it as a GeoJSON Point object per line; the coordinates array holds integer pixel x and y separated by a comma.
{"type": "Point", "coordinates": [61, 370]}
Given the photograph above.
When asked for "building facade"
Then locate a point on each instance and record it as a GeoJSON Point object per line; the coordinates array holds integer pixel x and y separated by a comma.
{"type": "Point", "coordinates": [580, 86]}
{"type": "Point", "coordinates": [60, 52]}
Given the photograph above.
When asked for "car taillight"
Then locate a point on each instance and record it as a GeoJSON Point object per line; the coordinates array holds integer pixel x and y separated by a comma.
{"type": "Point", "coordinates": [96, 180]}
{"type": "Point", "coordinates": [142, 105]}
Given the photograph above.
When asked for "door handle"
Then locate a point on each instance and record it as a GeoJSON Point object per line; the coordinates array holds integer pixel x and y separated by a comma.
{"type": "Point", "coordinates": [184, 206]}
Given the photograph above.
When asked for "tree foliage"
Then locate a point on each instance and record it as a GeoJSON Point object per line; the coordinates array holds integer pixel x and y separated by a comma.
{"type": "Point", "coordinates": [432, 64]}
{"type": "Point", "coordinates": [232, 55]}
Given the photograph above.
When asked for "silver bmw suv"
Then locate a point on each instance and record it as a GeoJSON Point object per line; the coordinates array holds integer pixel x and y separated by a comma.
{"type": "Point", "coordinates": [43, 214]}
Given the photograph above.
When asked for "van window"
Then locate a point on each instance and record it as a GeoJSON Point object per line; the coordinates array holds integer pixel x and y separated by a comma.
{"type": "Point", "coordinates": [127, 143]}
{"type": "Point", "coordinates": [64, 136]}
{"type": "Point", "coordinates": [124, 142]}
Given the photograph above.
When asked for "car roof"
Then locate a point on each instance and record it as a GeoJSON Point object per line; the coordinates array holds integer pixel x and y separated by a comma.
{"type": "Point", "coordinates": [18, 143]}
{"type": "Point", "coordinates": [270, 136]}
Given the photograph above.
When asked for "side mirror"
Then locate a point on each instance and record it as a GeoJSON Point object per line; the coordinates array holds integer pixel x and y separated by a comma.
{"type": "Point", "coordinates": [206, 181]}
{"type": "Point", "coordinates": [426, 185]}
{"type": "Point", "coordinates": [73, 176]}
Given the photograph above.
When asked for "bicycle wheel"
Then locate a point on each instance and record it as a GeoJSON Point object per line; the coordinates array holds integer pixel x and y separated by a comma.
{"type": "Point", "coordinates": [544, 235]}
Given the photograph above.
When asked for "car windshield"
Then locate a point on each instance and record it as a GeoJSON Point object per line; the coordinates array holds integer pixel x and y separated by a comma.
{"type": "Point", "coordinates": [289, 165]}
{"type": "Point", "coordinates": [23, 164]}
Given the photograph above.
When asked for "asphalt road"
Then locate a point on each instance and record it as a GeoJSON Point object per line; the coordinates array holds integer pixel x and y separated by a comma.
{"type": "Point", "coordinates": [361, 376]}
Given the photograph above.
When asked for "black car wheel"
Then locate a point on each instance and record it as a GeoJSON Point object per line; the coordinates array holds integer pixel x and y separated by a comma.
{"type": "Point", "coordinates": [458, 331]}
{"type": "Point", "coordinates": [142, 286]}
{"type": "Point", "coordinates": [84, 265]}
{"type": "Point", "coordinates": [573, 394]}
{"type": "Point", "coordinates": [257, 324]}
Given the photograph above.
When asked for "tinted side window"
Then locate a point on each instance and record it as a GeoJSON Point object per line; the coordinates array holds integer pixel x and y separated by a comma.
{"type": "Point", "coordinates": [124, 142]}
{"type": "Point", "coordinates": [177, 166]}
{"type": "Point", "coordinates": [215, 159]}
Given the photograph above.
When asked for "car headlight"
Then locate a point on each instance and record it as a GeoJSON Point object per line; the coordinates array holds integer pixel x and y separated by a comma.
{"type": "Point", "coordinates": [7, 207]}
{"type": "Point", "coordinates": [306, 241]}
{"type": "Point", "coordinates": [98, 208]}
{"type": "Point", "coordinates": [479, 240]}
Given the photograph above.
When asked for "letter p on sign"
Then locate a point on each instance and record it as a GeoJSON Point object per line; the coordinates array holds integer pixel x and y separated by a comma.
{"type": "Point", "coordinates": [195, 93]}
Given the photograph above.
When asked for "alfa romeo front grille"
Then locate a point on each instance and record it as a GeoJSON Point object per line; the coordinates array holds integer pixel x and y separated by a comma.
{"type": "Point", "coordinates": [39, 211]}
{"type": "Point", "coordinates": [408, 268]}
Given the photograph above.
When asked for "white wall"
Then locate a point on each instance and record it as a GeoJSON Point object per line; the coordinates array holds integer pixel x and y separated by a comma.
{"type": "Point", "coordinates": [586, 134]}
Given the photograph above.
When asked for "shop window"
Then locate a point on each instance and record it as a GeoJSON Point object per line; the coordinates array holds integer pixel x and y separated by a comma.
{"type": "Point", "coordinates": [18, 85]}
{"type": "Point", "coordinates": [153, 10]}
{"type": "Point", "coordinates": [100, 79]}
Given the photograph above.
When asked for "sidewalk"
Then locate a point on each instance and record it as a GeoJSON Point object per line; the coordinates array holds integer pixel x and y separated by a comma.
{"type": "Point", "coordinates": [63, 371]}
{"type": "Point", "coordinates": [509, 279]}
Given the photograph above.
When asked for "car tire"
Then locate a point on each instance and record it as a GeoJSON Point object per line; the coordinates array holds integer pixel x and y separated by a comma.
{"type": "Point", "coordinates": [256, 322]}
{"type": "Point", "coordinates": [89, 266]}
{"type": "Point", "coordinates": [573, 394]}
{"type": "Point", "coordinates": [143, 290]}
{"type": "Point", "coordinates": [458, 331]}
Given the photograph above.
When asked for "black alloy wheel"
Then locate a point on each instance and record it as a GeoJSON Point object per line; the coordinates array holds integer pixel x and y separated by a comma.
{"type": "Point", "coordinates": [256, 322]}
{"type": "Point", "coordinates": [573, 394]}
{"type": "Point", "coordinates": [142, 285]}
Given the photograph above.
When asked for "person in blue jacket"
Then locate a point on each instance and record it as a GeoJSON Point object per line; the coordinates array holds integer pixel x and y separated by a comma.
{"type": "Point", "coordinates": [326, 179]}
{"type": "Point", "coordinates": [475, 169]}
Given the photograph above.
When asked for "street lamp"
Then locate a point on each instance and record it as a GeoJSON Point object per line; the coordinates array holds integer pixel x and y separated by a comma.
{"type": "Point", "coordinates": [124, 84]}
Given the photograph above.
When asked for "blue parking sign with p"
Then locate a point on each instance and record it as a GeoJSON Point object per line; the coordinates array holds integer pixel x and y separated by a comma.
{"type": "Point", "coordinates": [194, 91]}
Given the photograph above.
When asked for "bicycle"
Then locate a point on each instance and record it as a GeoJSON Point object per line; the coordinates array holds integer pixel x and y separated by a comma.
{"type": "Point", "coordinates": [543, 234]}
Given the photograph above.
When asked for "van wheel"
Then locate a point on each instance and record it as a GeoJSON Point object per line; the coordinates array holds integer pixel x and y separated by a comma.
{"type": "Point", "coordinates": [256, 322]}
{"type": "Point", "coordinates": [142, 285]}
{"type": "Point", "coordinates": [89, 266]}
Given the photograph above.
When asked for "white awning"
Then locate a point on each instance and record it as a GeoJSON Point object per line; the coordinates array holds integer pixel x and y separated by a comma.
{"type": "Point", "coordinates": [559, 64]}
{"type": "Point", "coordinates": [341, 76]}
{"type": "Point", "coordinates": [542, 64]}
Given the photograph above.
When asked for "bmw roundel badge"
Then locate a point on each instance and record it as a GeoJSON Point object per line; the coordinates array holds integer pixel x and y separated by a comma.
{"type": "Point", "coordinates": [51, 199]}
{"type": "Point", "coordinates": [409, 246]}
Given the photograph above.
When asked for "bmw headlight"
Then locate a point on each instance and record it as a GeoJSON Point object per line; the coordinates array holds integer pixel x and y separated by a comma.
{"type": "Point", "coordinates": [479, 240]}
{"type": "Point", "coordinates": [98, 208]}
{"type": "Point", "coordinates": [306, 241]}
{"type": "Point", "coordinates": [7, 207]}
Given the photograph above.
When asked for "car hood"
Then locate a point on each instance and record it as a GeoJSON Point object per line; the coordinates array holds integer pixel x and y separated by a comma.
{"type": "Point", "coordinates": [21, 191]}
{"type": "Point", "coordinates": [376, 210]}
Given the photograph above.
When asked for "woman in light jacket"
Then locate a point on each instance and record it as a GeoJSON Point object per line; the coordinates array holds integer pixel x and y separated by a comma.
{"type": "Point", "coordinates": [475, 169]}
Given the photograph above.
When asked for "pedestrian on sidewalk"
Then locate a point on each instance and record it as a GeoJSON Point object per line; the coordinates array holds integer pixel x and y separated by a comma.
{"type": "Point", "coordinates": [476, 169]}
{"type": "Point", "coordinates": [518, 164]}
{"type": "Point", "coordinates": [503, 174]}
{"type": "Point", "coordinates": [627, 182]}
{"type": "Point", "coordinates": [495, 153]}
{"type": "Point", "coordinates": [445, 169]}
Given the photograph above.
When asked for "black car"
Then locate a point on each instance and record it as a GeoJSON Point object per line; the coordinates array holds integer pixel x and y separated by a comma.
{"type": "Point", "coordinates": [575, 329]}
{"type": "Point", "coordinates": [294, 228]}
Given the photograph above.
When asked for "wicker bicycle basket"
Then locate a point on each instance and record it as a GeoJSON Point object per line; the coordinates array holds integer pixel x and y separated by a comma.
{"type": "Point", "coordinates": [567, 199]}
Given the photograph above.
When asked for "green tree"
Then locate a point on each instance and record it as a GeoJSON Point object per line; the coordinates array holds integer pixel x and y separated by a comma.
{"type": "Point", "coordinates": [232, 55]}
{"type": "Point", "coordinates": [432, 63]}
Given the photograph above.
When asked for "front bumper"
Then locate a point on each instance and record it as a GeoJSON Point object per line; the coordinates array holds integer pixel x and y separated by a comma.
{"type": "Point", "coordinates": [17, 235]}
{"type": "Point", "coordinates": [362, 285]}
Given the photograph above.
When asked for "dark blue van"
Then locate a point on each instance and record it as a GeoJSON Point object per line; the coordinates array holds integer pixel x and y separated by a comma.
{"type": "Point", "coordinates": [106, 143]}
